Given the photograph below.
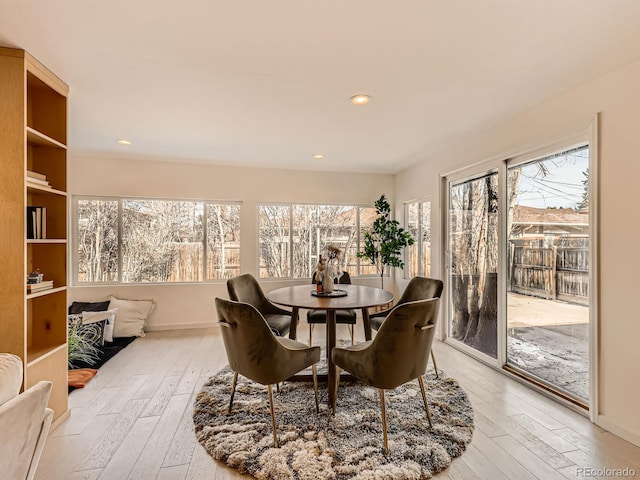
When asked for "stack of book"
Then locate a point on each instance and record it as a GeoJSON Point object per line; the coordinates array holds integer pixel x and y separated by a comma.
{"type": "Point", "coordinates": [35, 178]}
{"type": "Point", "coordinates": [39, 287]}
{"type": "Point", "coordinates": [36, 223]}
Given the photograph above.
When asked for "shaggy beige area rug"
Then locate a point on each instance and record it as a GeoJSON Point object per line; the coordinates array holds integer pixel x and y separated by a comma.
{"type": "Point", "coordinates": [319, 446]}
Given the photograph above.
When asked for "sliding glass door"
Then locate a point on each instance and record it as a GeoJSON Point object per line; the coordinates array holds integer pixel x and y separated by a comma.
{"type": "Point", "coordinates": [518, 257]}
{"type": "Point", "coordinates": [548, 271]}
{"type": "Point", "coordinates": [473, 263]}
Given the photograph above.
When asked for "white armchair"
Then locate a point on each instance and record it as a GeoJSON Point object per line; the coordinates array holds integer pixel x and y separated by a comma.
{"type": "Point", "coordinates": [24, 421]}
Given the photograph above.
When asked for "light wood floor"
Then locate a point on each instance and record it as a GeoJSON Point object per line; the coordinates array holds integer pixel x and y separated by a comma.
{"type": "Point", "coordinates": [134, 420]}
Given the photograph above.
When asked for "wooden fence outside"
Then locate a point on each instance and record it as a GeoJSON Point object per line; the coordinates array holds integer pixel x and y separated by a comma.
{"type": "Point", "coordinates": [187, 265]}
{"type": "Point", "coordinates": [551, 268]}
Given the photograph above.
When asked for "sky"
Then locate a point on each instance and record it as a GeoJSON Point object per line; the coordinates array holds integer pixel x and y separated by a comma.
{"type": "Point", "coordinates": [555, 182]}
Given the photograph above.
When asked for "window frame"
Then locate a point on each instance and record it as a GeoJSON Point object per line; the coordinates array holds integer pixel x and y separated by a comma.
{"type": "Point", "coordinates": [75, 260]}
{"type": "Point", "coordinates": [291, 205]}
{"type": "Point", "coordinates": [418, 243]}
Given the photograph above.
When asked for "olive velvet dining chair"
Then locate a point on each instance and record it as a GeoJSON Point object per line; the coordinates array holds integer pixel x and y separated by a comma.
{"type": "Point", "coordinates": [418, 288]}
{"type": "Point", "coordinates": [255, 353]}
{"type": "Point", "coordinates": [398, 353]}
{"type": "Point", "coordinates": [343, 316]}
{"type": "Point", "coordinates": [245, 288]}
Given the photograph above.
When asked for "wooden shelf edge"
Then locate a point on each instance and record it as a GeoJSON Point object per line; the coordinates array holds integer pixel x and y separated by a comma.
{"type": "Point", "coordinates": [46, 292]}
{"type": "Point", "coordinates": [46, 240]}
{"type": "Point", "coordinates": [42, 188]}
{"type": "Point", "coordinates": [12, 52]}
{"type": "Point", "coordinates": [45, 75]}
{"type": "Point", "coordinates": [34, 137]}
{"type": "Point", "coordinates": [39, 353]}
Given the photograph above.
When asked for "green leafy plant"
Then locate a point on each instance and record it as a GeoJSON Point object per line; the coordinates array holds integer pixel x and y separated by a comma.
{"type": "Point", "coordinates": [79, 346]}
{"type": "Point", "coordinates": [383, 245]}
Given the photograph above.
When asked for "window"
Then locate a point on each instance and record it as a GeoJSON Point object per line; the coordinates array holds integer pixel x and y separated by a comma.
{"type": "Point", "coordinates": [473, 258]}
{"type": "Point", "coordinates": [275, 241]}
{"type": "Point", "coordinates": [155, 241]}
{"type": "Point", "coordinates": [97, 241]}
{"type": "Point", "coordinates": [418, 223]}
{"type": "Point", "coordinates": [367, 217]}
{"type": "Point", "coordinates": [223, 240]}
{"type": "Point", "coordinates": [519, 252]}
{"type": "Point", "coordinates": [292, 236]}
{"type": "Point", "coordinates": [161, 241]}
{"type": "Point", "coordinates": [548, 267]}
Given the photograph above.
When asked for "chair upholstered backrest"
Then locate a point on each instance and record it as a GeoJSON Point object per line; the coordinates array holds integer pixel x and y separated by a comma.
{"type": "Point", "coordinates": [252, 350]}
{"type": "Point", "coordinates": [400, 351]}
{"type": "Point", "coordinates": [250, 345]}
{"type": "Point", "coordinates": [421, 288]}
{"type": "Point", "coordinates": [245, 288]}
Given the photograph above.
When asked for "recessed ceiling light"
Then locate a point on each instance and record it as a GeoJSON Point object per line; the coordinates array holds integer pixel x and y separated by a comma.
{"type": "Point", "coordinates": [318, 156]}
{"type": "Point", "coordinates": [125, 142]}
{"type": "Point", "coordinates": [360, 99]}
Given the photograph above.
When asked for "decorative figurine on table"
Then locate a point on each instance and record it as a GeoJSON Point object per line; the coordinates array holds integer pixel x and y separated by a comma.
{"type": "Point", "coordinates": [333, 269]}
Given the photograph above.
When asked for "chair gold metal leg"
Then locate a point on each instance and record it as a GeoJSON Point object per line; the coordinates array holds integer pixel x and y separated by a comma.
{"type": "Point", "coordinates": [278, 387]}
{"type": "Point", "coordinates": [435, 365]}
{"type": "Point", "coordinates": [335, 394]}
{"type": "Point", "coordinates": [384, 422]}
{"type": "Point", "coordinates": [315, 386]}
{"type": "Point", "coordinates": [424, 399]}
{"type": "Point", "coordinates": [310, 333]}
{"type": "Point", "coordinates": [273, 416]}
{"type": "Point", "coordinates": [352, 327]}
{"type": "Point", "coordinates": [233, 389]}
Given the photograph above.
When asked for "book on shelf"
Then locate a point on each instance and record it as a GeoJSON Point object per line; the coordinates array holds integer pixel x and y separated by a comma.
{"type": "Point", "coordinates": [36, 182]}
{"type": "Point", "coordinates": [35, 175]}
{"type": "Point", "coordinates": [35, 277]}
{"type": "Point", "coordinates": [35, 178]}
{"type": "Point", "coordinates": [36, 223]}
{"type": "Point", "coordinates": [39, 287]}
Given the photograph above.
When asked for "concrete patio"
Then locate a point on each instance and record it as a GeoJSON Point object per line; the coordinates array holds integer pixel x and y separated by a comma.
{"type": "Point", "coordinates": [550, 339]}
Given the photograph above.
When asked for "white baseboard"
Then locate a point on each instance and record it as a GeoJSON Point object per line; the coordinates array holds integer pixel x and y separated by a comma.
{"type": "Point", "coordinates": [61, 419]}
{"type": "Point", "coordinates": [179, 326]}
{"type": "Point", "coordinates": [616, 429]}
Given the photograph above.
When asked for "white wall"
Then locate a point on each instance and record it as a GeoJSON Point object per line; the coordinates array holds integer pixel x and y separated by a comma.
{"type": "Point", "coordinates": [617, 97]}
{"type": "Point", "coordinates": [191, 305]}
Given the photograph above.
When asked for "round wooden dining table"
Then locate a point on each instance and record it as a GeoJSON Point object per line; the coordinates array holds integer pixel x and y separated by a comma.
{"type": "Point", "coordinates": [357, 297]}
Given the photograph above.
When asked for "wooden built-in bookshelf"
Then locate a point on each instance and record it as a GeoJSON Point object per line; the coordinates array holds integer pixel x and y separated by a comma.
{"type": "Point", "coordinates": [33, 138]}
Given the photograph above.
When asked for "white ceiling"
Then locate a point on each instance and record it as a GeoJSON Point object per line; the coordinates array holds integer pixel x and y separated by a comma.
{"type": "Point", "coordinates": [267, 83]}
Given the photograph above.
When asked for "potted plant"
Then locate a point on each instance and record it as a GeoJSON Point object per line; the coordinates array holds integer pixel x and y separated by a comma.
{"type": "Point", "coordinates": [383, 245]}
{"type": "Point", "coordinates": [80, 345]}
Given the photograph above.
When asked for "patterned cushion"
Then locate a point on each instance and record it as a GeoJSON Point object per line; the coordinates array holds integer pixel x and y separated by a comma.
{"type": "Point", "coordinates": [93, 332]}
{"type": "Point", "coordinates": [108, 315]}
